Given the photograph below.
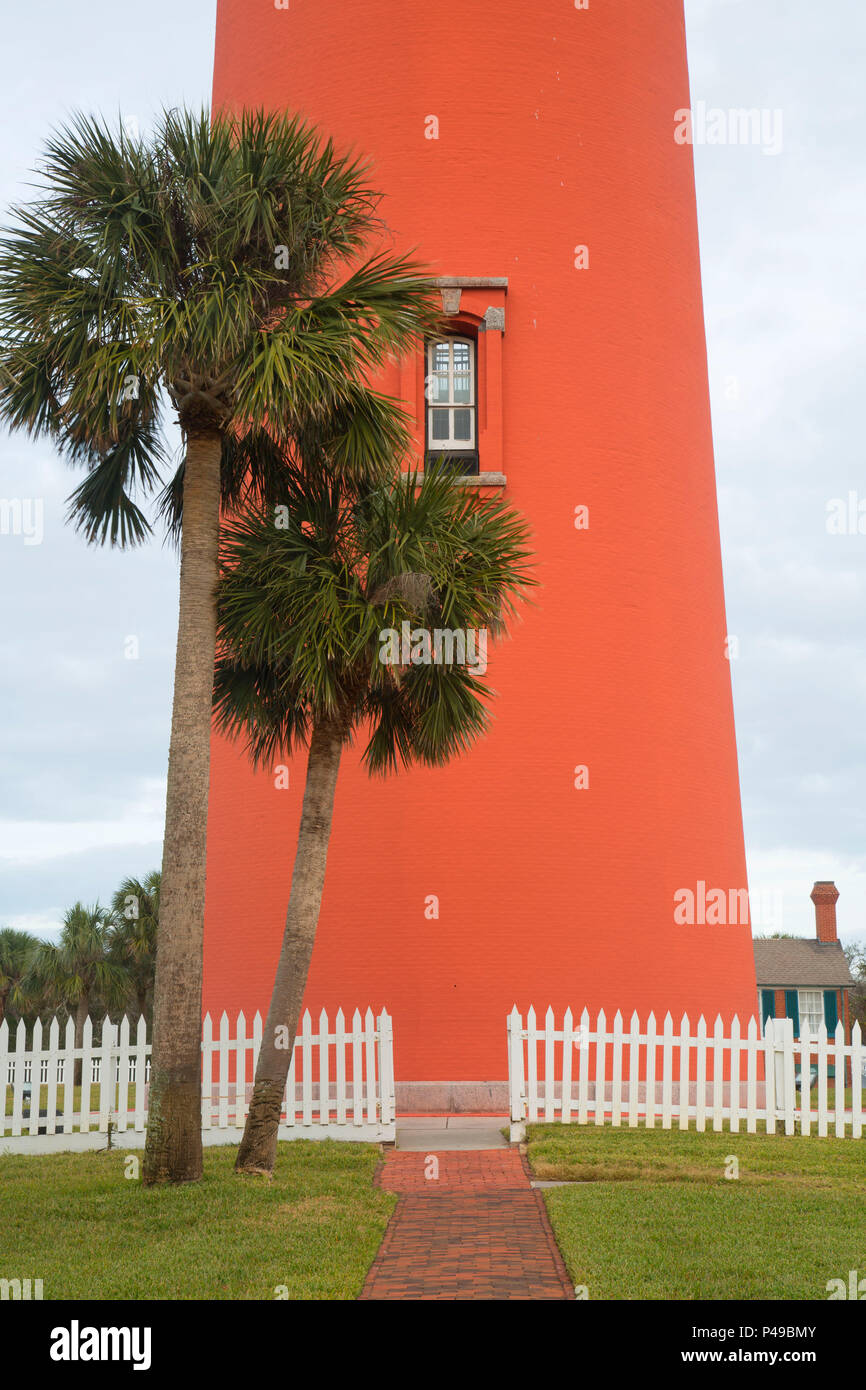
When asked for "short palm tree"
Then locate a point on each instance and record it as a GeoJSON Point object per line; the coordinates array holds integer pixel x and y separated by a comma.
{"type": "Point", "coordinates": [304, 611]}
{"type": "Point", "coordinates": [17, 949]}
{"type": "Point", "coordinates": [213, 268]}
{"type": "Point", "coordinates": [77, 970]}
{"type": "Point", "coordinates": [132, 942]}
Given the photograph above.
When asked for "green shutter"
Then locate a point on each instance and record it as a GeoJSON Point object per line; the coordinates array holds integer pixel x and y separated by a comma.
{"type": "Point", "coordinates": [831, 1012]}
{"type": "Point", "coordinates": [768, 1004]}
{"type": "Point", "coordinates": [792, 1009]}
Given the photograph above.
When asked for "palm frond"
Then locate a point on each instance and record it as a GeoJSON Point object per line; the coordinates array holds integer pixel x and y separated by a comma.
{"type": "Point", "coordinates": [303, 607]}
{"type": "Point", "coordinates": [209, 262]}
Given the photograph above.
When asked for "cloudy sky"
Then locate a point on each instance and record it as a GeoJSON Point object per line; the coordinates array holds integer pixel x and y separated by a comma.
{"type": "Point", "coordinates": [84, 728]}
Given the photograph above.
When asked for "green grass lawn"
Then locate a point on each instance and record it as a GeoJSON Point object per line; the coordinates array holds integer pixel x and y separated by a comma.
{"type": "Point", "coordinates": [75, 1221]}
{"type": "Point", "coordinates": [652, 1215]}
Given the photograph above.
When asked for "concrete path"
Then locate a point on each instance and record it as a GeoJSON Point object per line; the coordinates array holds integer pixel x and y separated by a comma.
{"type": "Point", "coordinates": [467, 1226]}
{"type": "Point", "coordinates": [441, 1133]}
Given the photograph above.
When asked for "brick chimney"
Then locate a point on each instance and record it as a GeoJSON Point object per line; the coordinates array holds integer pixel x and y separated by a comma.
{"type": "Point", "coordinates": [824, 896]}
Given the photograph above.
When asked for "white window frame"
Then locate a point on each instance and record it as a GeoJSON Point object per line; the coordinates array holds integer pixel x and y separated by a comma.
{"type": "Point", "coordinates": [810, 1013]}
{"type": "Point", "coordinates": [450, 444]}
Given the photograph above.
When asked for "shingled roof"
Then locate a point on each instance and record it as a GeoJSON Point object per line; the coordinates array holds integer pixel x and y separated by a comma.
{"type": "Point", "coordinates": [800, 962]}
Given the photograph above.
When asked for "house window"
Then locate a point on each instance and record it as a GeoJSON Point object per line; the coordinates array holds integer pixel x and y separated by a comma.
{"type": "Point", "coordinates": [810, 1003]}
{"type": "Point", "coordinates": [451, 391]}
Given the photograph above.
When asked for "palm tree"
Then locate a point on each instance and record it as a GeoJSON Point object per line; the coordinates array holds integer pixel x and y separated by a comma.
{"type": "Point", "coordinates": [209, 268]}
{"type": "Point", "coordinates": [302, 612]}
{"type": "Point", "coordinates": [17, 949]}
{"type": "Point", "coordinates": [77, 971]}
{"type": "Point", "coordinates": [132, 940]}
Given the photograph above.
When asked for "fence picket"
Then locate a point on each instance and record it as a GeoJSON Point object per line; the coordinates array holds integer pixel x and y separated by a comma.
{"type": "Point", "coordinates": [701, 1096]}
{"type": "Point", "coordinates": [35, 1078]}
{"type": "Point", "coordinates": [69, 1078]}
{"type": "Point", "coordinates": [718, 1074]}
{"type": "Point", "coordinates": [616, 1071]}
{"type": "Point", "coordinates": [223, 1054]}
{"type": "Point", "coordinates": [752, 1044]}
{"type": "Point", "coordinates": [324, 1075]}
{"type": "Point", "coordinates": [651, 1044]}
{"type": "Point", "coordinates": [531, 1065]}
{"type": "Point", "coordinates": [788, 1073]}
{"type": "Point", "coordinates": [568, 1041]}
{"type": "Point", "coordinates": [86, 1076]}
{"type": "Point", "coordinates": [18, 1084]}
{"type": "Point", "coordinates": [771, 1100]}
{"type": "Point", "coordinates": [667, 1071]}
{"type": "Point", "coordinates": [600, 1061]}
{"type": "Point", "coordinates": [50, 1125]}
{"type": "Point", "coordinates": [106, 1075]}
{"type": "Point", "coordinates": [307, 1067]}
{"type": "Point", "coordinates": [386, 1069]}
{"type": "Point", "coordinates": [340, 1039]}
{"type": "Point", "coordinates": [357, 1070]}
{"type": "Point", "coordinates": [240, 1051]}
{"type": "Point", "coordinates": [371, 1065]}
{"type": "Point", "coordinates": [140, 1073]}
{"type": "Point", "coordinates": [583, 1068]}
{"type": "Point", "coordinates": [633, 1069]}
{"type": "Point", "coordinates": [857, 1057]}
{"type": "Point", "coordinates": [805, 1080]}
{"type": "Point", "coordinates": [4, 1073]}
{"type": "Point", "coordinates": [684, 1044]}
{"type": "Point", "coordinates": [122, 1062]}
{"type": "Point", "coordinates": [207, 1072]}
{"type": "Point", "coordinates": [549, 1064]}
{"type": "Point", "coordinates": [839, 1086]}
{"type": "Point", "coordinates": [822, 1080]}
{"type": "Point", "coordinates": [735, 1075]}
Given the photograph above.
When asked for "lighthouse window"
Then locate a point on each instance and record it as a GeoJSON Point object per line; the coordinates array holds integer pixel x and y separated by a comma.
{"type": "Point", "coordinates": [451, 396]}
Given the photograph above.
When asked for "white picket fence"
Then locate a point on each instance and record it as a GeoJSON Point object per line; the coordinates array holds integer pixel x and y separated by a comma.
{"type": "Point", "coordinates": [340, 1083]}
{"type": "Point", "coordinates": [578, 1074]}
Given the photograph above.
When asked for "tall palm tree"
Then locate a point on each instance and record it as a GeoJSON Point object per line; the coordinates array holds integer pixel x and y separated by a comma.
{"type": "Point", "coordinates": [208, 267]}
{"type": "Point", "coordinates": [17, 949]}
{"type": "Point", "coordinates": [303, 662]}
{"type": "Point", "coordinates": [77, 970]}
{"type": "Point", "coordinates": [132, 940]}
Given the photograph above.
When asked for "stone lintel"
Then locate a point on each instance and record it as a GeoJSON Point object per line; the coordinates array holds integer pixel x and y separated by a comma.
{"type": "Point", "coordinates": [471, 282]}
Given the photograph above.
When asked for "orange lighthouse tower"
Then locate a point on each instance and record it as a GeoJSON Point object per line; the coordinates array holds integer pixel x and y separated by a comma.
{"type": "Point", "coordinates": [590, 850]}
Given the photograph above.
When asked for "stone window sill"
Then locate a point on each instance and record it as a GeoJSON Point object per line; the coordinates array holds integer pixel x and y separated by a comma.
{"type": "Point", "coordinates": [475, 479]}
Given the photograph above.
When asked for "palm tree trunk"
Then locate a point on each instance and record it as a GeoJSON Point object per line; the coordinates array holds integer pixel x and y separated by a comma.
{"type": "Point", "coordinates": [258, 1149]}
{"type": "Point", "coordinates": [173, 1148]}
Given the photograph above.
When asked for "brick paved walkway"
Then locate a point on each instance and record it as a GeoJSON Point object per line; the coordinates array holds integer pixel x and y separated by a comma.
{"type": "Point", "coordinates": [478, 1232]}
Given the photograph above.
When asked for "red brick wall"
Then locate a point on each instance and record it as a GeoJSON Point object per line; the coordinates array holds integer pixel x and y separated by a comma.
{"type": "Point", "coordinates": [556, 129]}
